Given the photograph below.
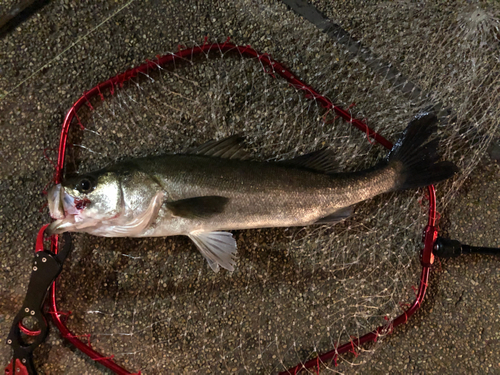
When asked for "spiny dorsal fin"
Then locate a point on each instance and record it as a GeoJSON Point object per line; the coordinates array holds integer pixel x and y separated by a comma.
{"type": "Point", "coordinates": [227, 148]}
{"type": "Point", "coordinates": [198, 207]}
{"type": "Point", "coordinates": [319, 161]}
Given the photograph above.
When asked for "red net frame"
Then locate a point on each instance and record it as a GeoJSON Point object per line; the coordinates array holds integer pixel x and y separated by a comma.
{"type": "Point", "coordinates": [429, 234]}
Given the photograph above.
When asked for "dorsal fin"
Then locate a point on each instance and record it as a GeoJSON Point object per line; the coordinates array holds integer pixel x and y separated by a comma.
{"type": "Point", "coordinates": [227, 148]}
{"type": "Point", "coordinates": [319, 161]}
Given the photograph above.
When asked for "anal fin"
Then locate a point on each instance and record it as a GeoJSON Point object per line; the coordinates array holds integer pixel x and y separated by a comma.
{"type": "Point", "coordinates": [336, 216]}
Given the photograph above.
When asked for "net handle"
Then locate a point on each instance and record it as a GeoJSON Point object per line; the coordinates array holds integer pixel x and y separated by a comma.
{"type": "Point", "coordinates": [430, 233]}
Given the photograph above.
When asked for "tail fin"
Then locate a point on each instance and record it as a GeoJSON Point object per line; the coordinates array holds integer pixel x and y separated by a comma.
{"type": "Point", "coordinates": [417, 159]}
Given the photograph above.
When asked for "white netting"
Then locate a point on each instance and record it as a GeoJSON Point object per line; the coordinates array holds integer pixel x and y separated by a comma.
{"type": "Point", "coordinates": [156, 306]}
{"type": "Point", "coordinates": [322, 285]}
{"type": "Point", "coordinates": [451, 52]}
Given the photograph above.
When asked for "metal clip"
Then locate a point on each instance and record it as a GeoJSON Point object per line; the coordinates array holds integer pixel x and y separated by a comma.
{"type": "Point", "coordinates": [29, 328]}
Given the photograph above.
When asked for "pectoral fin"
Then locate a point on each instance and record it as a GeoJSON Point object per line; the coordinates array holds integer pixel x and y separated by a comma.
{"type": "Point", "coordinates": [218, 248]}
{"type": "Point", "coordinates": [198, 207]}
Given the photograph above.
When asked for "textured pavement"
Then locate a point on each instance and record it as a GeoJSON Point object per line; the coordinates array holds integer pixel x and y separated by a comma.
{"type": "Point", "coordinates": [49, 60]}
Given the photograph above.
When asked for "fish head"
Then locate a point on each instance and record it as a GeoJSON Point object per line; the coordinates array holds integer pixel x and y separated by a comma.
{"type": "Point", "coordinates": [82, 202]}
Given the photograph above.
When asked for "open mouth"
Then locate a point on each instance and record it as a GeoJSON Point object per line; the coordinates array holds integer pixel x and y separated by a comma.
{"type": "Point", "coordinates": [62, 204]}
{"type": "Point", "coordinates": [64, 209]}
{"type": "Point", "coordinates": [56, 207]}
{"type": "Point", "coordinates": [67, 212]}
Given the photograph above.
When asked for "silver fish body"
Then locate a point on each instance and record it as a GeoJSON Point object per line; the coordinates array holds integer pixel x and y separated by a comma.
{"type": "Point", "coordinates": [214, 188]}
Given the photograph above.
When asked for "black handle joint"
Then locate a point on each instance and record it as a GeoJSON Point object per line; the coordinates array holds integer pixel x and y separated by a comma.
{"type": "Point", "coordinates": [446, 248]}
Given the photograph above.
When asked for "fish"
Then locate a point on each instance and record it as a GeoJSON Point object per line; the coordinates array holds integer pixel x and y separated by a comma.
{"type": "Point", "coordinates": [217, 187]}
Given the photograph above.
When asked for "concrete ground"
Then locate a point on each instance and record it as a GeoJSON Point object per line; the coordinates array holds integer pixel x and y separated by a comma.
{"type": "Point", "coordinates": [68, 47]}
{"type": "Point", "coordinates": [457, 329]}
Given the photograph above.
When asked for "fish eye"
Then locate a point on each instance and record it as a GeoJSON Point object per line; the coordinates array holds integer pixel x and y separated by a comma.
{"type": "Point", "coordinates": [85, 186]}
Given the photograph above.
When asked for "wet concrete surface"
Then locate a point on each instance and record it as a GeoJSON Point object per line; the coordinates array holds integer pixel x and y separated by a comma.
{"type": "Point", "coordinates": [48, 61]}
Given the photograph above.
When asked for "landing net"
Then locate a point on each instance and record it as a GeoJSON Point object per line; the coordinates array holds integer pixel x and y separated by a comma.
{"type": "Point", "coordinates": [155, 306]}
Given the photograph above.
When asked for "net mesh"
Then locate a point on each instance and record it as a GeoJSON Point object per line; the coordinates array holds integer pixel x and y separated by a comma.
{"type": "Point", "coordinates": [154, 304]}
{"type": "Point", "coordinates": [450, 52]}
{"type": "Point", "coordinates": [295, 291]}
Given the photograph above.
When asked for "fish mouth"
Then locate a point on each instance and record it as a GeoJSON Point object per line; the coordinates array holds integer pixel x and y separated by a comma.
{"type": "Point", "coordinates": [62, 225]}
{"type": "Point", "coordinates": [56, 207]}
{"type": "Point", "coordinates": [64, 208]}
